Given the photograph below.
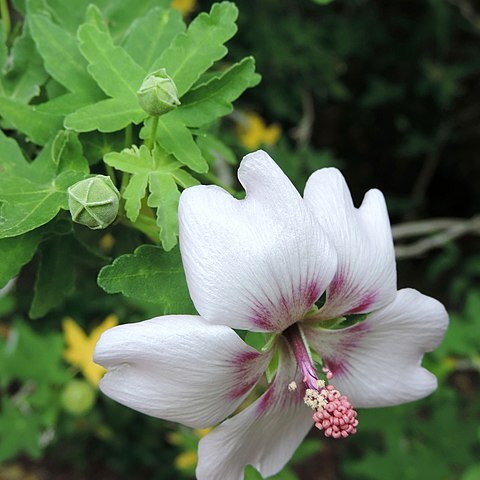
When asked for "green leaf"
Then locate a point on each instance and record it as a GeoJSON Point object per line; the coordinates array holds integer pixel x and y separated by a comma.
{"type": "Point", "coordinates": [133, 195]}
{"type": "Point", "coordinates": [213, 99]}
{"type": "Point", "coordinates": [162, 173]}
{"type": "Point", "coordinates": [176, 139]}
{"type": "Point", "coordinates": [55, 277]}
{"type": "Point", "coordinates": [184, 179]}
{"type": "Point", "coordinates": [64, 104]}
{"type": "Point", "coordinates": [31, 194]}
{"type": "Point", "coordinates": [132, 160]}
{"type": "Point", "coordinates": [192, 53]}
{"type": "Point", "coordinates": [67, 152]}
{"type": "Point", "coordinates": [38, 126]}
{"type": "Point", "coordinates": [164, 197]}
{"type": "Point", "coordinates": [106, 116]}
{"type": "Point", "coordinates": [16, 252]}
{"type": "Point", "coordinates": [151, 275]}
{"type": "Point", "coordinates": [472, 473]}
{"type": "Point", "coordinates": [63, 60]}
{"type": "Point", "coordinates": [212, 149]}
{"type": "Point", "coordinates": [24, 71]}
{"type": "Point", "coordinates": [150, 35]}
{"type": "Point", "coordinates": [111, 66]}
{"type": "Point", "coordinates": [26, 428]}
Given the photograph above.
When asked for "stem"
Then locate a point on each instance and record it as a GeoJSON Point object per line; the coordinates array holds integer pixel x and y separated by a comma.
{"type": "Point", "coordinates": [128, 136]}
{"type": "Point", "coordinates": [111, 173]}
{"type": "Point", "coordinates": [5, 17]}
{"type": "Point", "coordinates": [153, 134]}
{"type": "Point", "coordinates": [145, 225]}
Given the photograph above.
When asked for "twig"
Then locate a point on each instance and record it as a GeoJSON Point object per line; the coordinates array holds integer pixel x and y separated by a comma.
{"type": "Point", "coordinates": [450, 229]}
{"type": "Point", "coordinates": [303, 131]}
{"type": "Point", "coordinates": [427, 171]}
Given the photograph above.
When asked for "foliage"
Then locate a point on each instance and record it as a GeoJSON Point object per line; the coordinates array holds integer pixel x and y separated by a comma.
{"type": "Point", "coordinates": [386, 92]}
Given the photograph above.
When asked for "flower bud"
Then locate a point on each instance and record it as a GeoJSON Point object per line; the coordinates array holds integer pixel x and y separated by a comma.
{"type": "Point", "coordinates": [94, 202]}
{"type": "Point", "coordinates": [77, 397]}
{"type": "Point", "coordinates": [158, 93]}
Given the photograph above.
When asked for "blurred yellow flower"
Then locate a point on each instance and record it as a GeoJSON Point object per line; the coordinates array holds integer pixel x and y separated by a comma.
{"type": "Point", "coordinates": [80, 347]}
{"type": "Point", "coordinates": [107, 242]}
{"type": "Point", "coordinates": [184, 6]}
{"type": "Point", "coordinates": [187, 460]}
{"type": "Point", "coordinates": [253, 132]}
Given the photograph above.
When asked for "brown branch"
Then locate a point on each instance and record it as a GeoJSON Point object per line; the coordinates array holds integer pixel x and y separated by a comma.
{"type": "Point", "coordinates": [447, 229]}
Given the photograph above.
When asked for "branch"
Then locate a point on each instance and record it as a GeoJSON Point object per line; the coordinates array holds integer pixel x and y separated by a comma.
{"type": "Point", "coordinates": [447, 229]}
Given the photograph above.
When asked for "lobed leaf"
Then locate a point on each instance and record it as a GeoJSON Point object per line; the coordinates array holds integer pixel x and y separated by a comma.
{"type": "Point", "coordinates": [131, 160]}
{"type": "Point", "coordinates": [38, 126]}
{"type": "Point", "coordinates": [111, 66]}
{"type": "Point", "coordinates": [23, 73]}
{"type": "Point", "coordinates": [176, 139]}
{"type": "Point", "coordinates": [133, 195]}
{"type": "Point", "coordinates": [150, 35]}
{"type": "Point", "coordinates": [164, 197]}
{"type": "Point", "coordinates": [150, 275]}
{"type": "Point", "coordinates": [105, 116]}
{"type": "Point", "coordinates": [63, 60]}
{"type": "Point", "coordinates": [192, 53]}
{"type": "Point", "coordinates": [213, 99]}
{"type": "Point", "coordinates": [55, 277]}
{"type": "Point", "coordinates": [15, 253]}
{"type": "Point", "coordinates": [32, 194]}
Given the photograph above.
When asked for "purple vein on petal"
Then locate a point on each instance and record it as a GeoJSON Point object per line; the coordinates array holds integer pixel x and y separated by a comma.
{"type": "Point", "coordinates": [337, 361]}
{"type": "Point", "coordinates": [249, 366]}
{"type": "Point", "coordinates": [287, 311]}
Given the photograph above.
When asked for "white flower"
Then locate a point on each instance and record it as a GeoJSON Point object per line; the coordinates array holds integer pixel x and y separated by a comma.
{"type": "Point", "coordinates": [260, 264]}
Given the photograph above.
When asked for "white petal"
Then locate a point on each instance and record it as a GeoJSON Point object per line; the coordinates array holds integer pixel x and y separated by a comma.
{"type": "Point", "coordinates": [265, 435]}
{"type": "Point", "coordinates": [377, 362]}
{"type": "Point", "coordinates": [366, 275]}
{"type": "Point", "coordinates": [178, 368]}
{"type": "Point", "coordinates": [259, 263]}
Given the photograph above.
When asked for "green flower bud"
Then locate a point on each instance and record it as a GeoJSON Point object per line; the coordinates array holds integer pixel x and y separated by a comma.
{"type": "Point", "coordinates": [94, 202]}
{"type": "Point", "coordinates": [158, 93]}
{"type": "Point", "coordinates": [77, 397]}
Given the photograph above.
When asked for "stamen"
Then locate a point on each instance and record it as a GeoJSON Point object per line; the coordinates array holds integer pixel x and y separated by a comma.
{"type": "Point", "coordinates": [337, 419]}
{"type": "Point", "coordinates": [328, 373]}
{"type": "Point", "coordinates": [334, 414]}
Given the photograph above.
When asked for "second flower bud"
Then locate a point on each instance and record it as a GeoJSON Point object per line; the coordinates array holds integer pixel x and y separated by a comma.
{"type": "Point", "coordinates": [158, 93]}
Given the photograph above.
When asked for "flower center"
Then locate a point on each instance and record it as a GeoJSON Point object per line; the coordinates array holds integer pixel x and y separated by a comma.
{"type": "Point", "coordinates": [333, 413]}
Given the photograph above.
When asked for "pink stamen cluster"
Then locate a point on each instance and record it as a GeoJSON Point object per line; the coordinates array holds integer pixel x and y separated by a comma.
{"type": "Point", "coordinates": [334, 414]}
{"type": "Point", "coordinates": [337, 418]}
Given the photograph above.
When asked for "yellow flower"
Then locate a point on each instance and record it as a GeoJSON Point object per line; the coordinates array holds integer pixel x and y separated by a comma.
{"type": "Point", "coordinates": [253, 132]}
{"type": "Point", "coordinates": [80, 347]}
{"type": "Point", "coordinates": [107, 242]}
{"type": "Point", "coordinates": [184, 6]}
{"type": "Point", "coordinates": [187, 460]}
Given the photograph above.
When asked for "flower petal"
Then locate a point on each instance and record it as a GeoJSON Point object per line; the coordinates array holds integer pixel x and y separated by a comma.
{"type": "Point", "coordinates": [366, 275]}
{"type": "Point", "coordinates": [265, 435]}
{"type": "Point", "coordinates": [179, 368]}
{"type": "Point", "coordinates": [376, 362]}
{"type": "Point", "coordinates": [259, 263]}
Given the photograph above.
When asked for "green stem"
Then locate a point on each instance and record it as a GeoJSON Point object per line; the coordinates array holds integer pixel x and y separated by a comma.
{"type": "Point", "coordinates": [5, 17]}
{"type": "Point", "coordinates": [111, 173]}
{"type": "Point", "coordinates": [153, 134]}
{"type": "Point", "coordinates": [145, 225]}
{"type": "Point", "coordinates": [128, 136]}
